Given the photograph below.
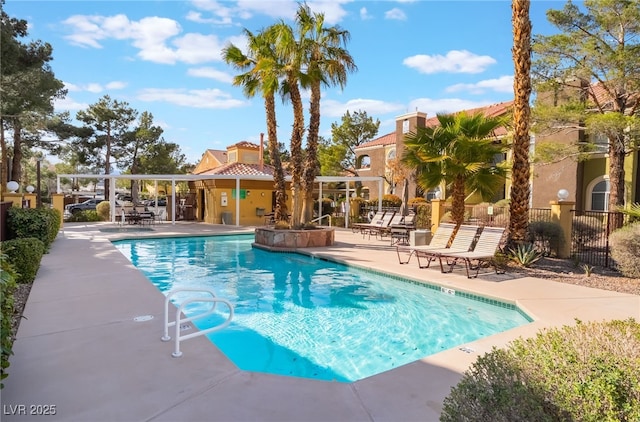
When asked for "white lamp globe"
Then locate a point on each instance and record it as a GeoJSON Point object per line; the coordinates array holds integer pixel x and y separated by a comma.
{"type": "Point", "coordinates": [30, 189]}
{"type": "Point", "coordinates": [13, 186]}
{"type": "Point", "coordinates": [563, 194]}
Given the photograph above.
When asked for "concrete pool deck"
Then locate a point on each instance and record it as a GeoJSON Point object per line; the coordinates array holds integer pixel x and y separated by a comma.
{"type": "Point", "coordinates": [80, 350]}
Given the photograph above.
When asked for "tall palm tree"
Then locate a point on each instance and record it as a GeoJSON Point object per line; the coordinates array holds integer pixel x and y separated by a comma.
{"type": "Point", "coordinates": [326, 62]}
{"type": "Point", "coordinates": [520, 172]}
{"type": "Point", "coordinates": [261, 73]}
{"type": "Point", "coordinates": [287, 49]}
{"type": "Point", "coordinates": [461, 151]}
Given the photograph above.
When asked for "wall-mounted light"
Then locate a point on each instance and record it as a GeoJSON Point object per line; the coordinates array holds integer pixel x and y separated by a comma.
{"type": "Point", "coordinates": [438, 194]}
{"type": "Point", "coordinates": [261, 193]}
{"type": "Point", "coordinates": [563, 194]}
{"type": "Point", "coordinates": [30, 189]}
{"type": "Point", "coordinates": [248, 192]}
{"type": "Point", "coordinates": [12, 186]}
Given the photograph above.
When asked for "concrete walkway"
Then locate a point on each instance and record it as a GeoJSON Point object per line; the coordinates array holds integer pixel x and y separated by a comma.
{"type": "Point", "coordinates": [80, 354]}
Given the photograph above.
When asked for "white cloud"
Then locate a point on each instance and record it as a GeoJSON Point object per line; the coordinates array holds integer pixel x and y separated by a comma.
{"type": "Point", "coordinates": [69, 104]}
{"type": "Point", "coordinates": [364, 14]}
{"type": "Point", "coordinates": [211, 73]}
{"type": "Point", "coordinates": [202, 98]}
{"type": "Point", "coordinates": [456, 61]}
{"type": "Point", "coordinates": [150, 35]}
{"type": "Point", "coordinates": [332, 108]}
{"type": "Point", "coordinates": [94, 87]}
{"type": "Point", "coordinates": [116, 85]}
{"type": "Point", "coordinates": [395, 14]}
{"type": "Point", "coordinates": [501, 84]}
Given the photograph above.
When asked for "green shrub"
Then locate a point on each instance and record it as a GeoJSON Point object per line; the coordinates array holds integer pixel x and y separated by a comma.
{"type": "Point", "coordinates": [586, 372]}
{"type": "Point", "coordinates": [103, 209]}
{"type": "Point", "coordinates": [546, 235]}
{"type": "Point", "coordinates": [7, 287]}
{"type": "Point", "coordinates": [423, 216]}
{"type": "Point", "coordinates": [625, 249]}
{"type": "Point", "coordinates": [42, 223]}
{"type": "Point", "coordinates": [24, 255]}
{"type": "Point", "coordinates": [84, 217]}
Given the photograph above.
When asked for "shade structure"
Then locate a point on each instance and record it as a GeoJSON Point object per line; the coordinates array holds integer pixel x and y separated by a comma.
{"type": "Point", "coordinates": [404, 208]}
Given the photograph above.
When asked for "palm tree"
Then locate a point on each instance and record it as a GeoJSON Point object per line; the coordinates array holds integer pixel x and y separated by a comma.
{"type": "Point", "coordinates": [461, 152]}
{"type": "Point", "coordinates": [328, 63]}
{"type": "Point", "coordinates": [261, 75]}
{"type": "Point", "coordinates": [520, 172]}
{"type": "Point", "coordinates": [287, 49]}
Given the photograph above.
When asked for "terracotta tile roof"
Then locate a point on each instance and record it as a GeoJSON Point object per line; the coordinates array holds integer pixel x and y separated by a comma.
{"type": "Point", "coordinates": [245, 144]}
{"type": "Point", "coordinates": [492, 110]}
{"type": "Point", "coordinates": [388, 139]}
{"type": "Point", "coordinates": [219, 155]}
{"type": "Point", "coordinates": [241, 169]}
{"type": "Point", "coordinates": [598, 93]}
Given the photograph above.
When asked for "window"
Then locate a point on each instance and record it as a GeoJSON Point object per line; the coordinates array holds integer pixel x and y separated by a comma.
{"type": "Point", "coordinates": [391, 155]}
{"type": "Point", "coordinates": [598, 194]}
{"type": "Point", "coordinates": [405, 126]}
{"type": "Point", "coordinates": [364, 162]}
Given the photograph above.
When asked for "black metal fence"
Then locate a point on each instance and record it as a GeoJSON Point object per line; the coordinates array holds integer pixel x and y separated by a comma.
{"type": "Point", "coordinates": [590, 231]}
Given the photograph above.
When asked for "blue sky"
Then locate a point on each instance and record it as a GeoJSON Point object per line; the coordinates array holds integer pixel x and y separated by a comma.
{"type": "Point", "coordinates": [164, 57]}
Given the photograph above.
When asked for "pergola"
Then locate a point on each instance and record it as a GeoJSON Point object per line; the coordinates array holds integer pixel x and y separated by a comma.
{"type": "Point", "coordinates": [173, 178]}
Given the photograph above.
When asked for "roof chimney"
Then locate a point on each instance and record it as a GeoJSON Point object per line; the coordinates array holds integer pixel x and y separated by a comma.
{"type": "Point", "coordinates": [261, 158]}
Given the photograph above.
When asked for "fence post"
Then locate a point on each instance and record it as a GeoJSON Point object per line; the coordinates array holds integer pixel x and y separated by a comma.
{"type": "Point", "coordinates": [437, 211]}
{"type": "Point", "coordinates": [561, 215]}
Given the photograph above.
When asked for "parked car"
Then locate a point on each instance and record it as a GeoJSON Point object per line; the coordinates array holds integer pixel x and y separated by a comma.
{"type": "Point", "coordinates": [162, 202]}
{"type": "Point", "coordinates": [89, 204]}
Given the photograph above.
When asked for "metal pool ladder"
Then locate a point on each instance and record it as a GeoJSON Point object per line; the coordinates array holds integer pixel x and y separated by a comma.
{"type": "Point", "coordinates": [214, 300]}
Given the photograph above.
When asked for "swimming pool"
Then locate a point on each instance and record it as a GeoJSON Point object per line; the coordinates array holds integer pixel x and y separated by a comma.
{"type": "Point", "coordinates": [305, 317]}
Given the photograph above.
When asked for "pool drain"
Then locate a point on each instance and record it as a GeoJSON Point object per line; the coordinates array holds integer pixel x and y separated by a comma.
{"type": "Point", "coordinates": [143, 318]}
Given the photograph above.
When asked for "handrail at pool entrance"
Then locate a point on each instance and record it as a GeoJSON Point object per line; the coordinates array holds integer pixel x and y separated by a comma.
{"type": "Point", "coordinates": [179, 321]}
{"type": "Point", "coordinates": [319, 219]}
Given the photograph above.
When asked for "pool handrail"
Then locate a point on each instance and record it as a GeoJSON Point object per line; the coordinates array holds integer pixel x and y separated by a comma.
{"type": "Point", "coordinates": [179, 321]}
{"type": "Point", "coordinates": [319, 219]}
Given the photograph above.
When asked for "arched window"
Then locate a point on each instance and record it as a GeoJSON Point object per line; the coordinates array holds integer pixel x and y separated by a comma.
{"type": "Point", "coordinates": [598, 194]}
{"type": "Point", "coordinates": [391, 154]}
{"type": "Point", "coordinates": [364, 162]}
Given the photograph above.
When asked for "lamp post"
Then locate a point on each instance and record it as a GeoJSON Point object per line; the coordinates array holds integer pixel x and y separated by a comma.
{"type": "Point", "coordinates": [38, 191]}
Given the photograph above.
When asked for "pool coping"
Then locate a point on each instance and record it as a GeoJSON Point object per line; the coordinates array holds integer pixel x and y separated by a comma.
{"type": "Point", "coordinates": [79, 349]}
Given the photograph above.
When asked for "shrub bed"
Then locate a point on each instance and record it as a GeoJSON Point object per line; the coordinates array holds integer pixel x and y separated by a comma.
{"type": "Point", "coordinates": [41, 223]}
{"type": "Point", "coordinates": [7, 287]}
{"type": "Point", "coordinates": [625, 249]}
{"type": "Point", "coordinates": [25, 256]}
{"type": "Point", "coordinates": [586, 372]}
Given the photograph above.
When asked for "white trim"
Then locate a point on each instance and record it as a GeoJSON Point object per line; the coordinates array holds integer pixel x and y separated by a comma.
{"type": "Point", "coordinates": [589, 192]}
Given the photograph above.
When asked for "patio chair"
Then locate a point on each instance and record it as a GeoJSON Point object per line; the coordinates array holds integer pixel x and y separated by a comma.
{"type": "Point", "coordinates": [440, 240]}
{"type": "Point", "coordinates": [400, 232]}
{"type": "Point", "coordinates": [379, 225]}
{"type": "Point", "coordinates": [484, 251]}
{"type": "Point", "coordinates": [384, 230]}
{"type": "Point", "coordinates": [462, 242]}
{"type": "Point", "coordinates": [374, 220]}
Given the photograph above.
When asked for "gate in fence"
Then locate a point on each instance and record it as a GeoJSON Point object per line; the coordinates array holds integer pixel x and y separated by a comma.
{"type": "Point", "coordinates": [590, 231]}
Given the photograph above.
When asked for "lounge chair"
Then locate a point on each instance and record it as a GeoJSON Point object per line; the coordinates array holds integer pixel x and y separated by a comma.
{"type": "Point", "coordinates": [483, 252]}
{"type": "Point", "coordinates": [440, 240]}
{"type": "Point", "coordinates": [384, 230]}
{"type": "Point", "coordinates": [376, 226]}
{"type": "Point", "coordinates": [462, 242]}
{"type": "Point", "coordinates": [376, 219]}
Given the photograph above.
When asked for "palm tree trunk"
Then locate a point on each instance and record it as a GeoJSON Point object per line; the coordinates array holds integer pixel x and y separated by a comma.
{"type": "Point", "coordinates": [278, 172]}
{"type": "Point", "coordinates": [520, 174]}
{"type": "Point", "coordinates": [616, 179]}
{"type": "Point", "coordinates": [311, 158]}
{"type": "Point", "coordinates": [296, 152]}
{"type": "Point", "coordinates": [457, 200]}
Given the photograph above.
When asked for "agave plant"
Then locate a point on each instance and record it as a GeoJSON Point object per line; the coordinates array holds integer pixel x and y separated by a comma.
{"type": "Point", "coordinates": [525, 254]}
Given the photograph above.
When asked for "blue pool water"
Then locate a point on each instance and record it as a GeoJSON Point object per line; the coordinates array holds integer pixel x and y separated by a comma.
{"type": "Point", "coordinates": [305, 317]}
